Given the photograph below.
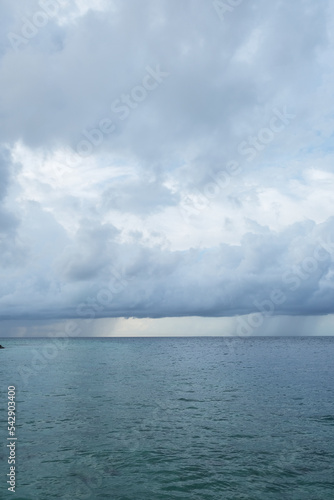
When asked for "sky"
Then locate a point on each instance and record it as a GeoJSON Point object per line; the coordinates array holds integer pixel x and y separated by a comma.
{"type": "Point", "coordinates": [166, 167]}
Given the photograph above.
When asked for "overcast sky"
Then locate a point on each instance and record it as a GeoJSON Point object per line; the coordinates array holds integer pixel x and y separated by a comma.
{"type": "Point", "coordinates": [167, 167]}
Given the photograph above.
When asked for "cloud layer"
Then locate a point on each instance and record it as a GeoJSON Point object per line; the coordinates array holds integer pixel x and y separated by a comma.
{"type": "Point", "coordinates": [165, 160]}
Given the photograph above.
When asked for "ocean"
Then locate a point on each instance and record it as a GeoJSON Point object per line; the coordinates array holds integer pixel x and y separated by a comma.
{"type": "Point", "coordinates": [205, 418]}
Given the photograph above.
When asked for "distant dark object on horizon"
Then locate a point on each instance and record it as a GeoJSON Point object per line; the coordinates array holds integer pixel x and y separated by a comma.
{"type": "Point", "coordinates": [1, 347]}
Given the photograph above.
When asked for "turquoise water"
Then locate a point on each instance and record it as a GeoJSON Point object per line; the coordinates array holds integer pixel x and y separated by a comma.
{"type": "Point", "coordinates": [170, 418]}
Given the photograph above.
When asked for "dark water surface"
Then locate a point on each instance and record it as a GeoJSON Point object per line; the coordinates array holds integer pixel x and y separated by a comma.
{"type": "Point", "coordinates": [170, 418]}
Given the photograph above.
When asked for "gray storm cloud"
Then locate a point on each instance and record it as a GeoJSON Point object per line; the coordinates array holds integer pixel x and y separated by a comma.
{"type": "Point", "coordinates": [163, 159]}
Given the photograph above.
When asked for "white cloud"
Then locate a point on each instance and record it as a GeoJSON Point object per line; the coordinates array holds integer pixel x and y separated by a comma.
{"type": "Point", "coordinates": [156, 199]}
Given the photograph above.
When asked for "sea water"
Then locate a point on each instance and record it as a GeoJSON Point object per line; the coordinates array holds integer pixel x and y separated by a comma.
{"type": "Point", "coordinates": [170, 418]}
